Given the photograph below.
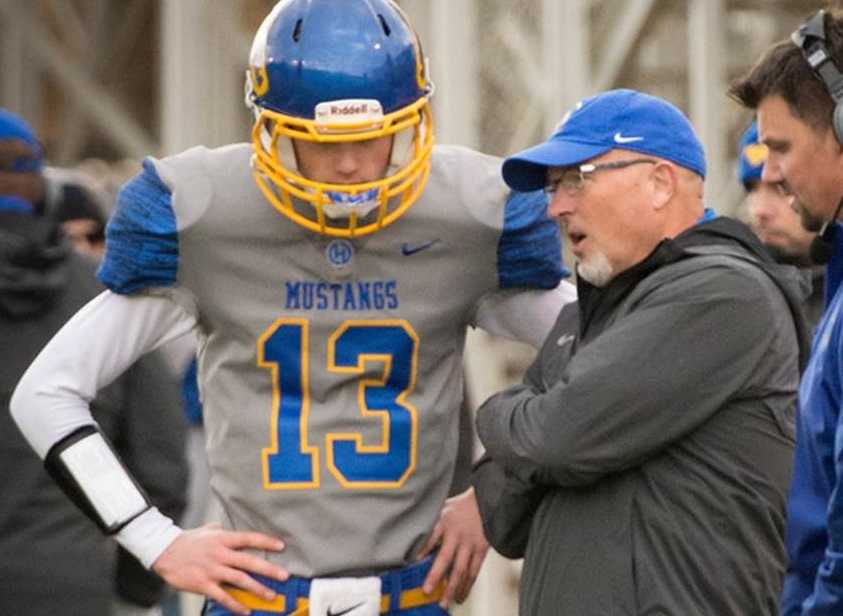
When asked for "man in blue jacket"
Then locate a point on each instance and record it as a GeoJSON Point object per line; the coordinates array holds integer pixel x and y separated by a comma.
{"type": "Point", "coordinates": [795, 89]}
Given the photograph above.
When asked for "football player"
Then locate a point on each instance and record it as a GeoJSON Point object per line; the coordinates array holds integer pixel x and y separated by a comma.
{"type": "Point", "coordinates": [330, 269]}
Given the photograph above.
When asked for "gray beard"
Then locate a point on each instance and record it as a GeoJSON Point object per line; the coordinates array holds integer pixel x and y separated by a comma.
{"type": "Point", "coordinates": [596, 270]}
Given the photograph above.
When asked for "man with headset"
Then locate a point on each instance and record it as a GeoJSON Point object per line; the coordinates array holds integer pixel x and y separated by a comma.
{"type": "Point", "coordinates": [796, 89]}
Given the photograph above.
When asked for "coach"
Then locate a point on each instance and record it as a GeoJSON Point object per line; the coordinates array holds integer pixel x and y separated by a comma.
{"type": "Point", "coordinates": [642, 467]}
{"type": "Point", "coordinates": [796, 89]}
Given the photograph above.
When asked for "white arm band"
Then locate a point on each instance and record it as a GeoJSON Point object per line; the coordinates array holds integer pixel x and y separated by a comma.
{"type": "Point", "coordinates": [90, 473]}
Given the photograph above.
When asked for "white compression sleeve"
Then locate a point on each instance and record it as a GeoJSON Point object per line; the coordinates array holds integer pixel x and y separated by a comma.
{"type": "Point", "coordinates": [97, 345]}
{"type": "Point", "coordinates": [526, 316]}
{"type": "Point", "coordinates": [148, 535]}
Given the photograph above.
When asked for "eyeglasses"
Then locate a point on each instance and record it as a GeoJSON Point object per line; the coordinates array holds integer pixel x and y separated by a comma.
{"type": "Point", "coordinates": [572, 179]}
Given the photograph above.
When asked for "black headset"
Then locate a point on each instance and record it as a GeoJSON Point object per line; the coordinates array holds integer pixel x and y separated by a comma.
{"type": "Point", "coordinates": [810, 38]}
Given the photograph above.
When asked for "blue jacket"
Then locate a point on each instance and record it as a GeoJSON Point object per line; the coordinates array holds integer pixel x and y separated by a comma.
{"type": "Point", "coordinates": [814, 580]}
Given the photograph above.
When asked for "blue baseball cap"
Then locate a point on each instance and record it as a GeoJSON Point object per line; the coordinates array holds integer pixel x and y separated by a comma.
{"type": "Point", "coordinates": [751, 157]}
{"type": "Point", "coordinates": [13, 126]}
{"type": "Point", "coordinates": [624, 119]}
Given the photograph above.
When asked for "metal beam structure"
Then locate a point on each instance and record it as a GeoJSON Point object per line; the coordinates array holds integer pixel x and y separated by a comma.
{"type": "Point", "coordinates": [707, 88]}
{"type": "Point", "coordinates": [565, 58]}
{"type": "Point", "coordinates": [557, 58]}
{"type": "Point", "coordinates": [15, 80]}
{"type": "Point", "coordinates": [101, 42]}
{"type": "Point", "coordinates": [554, 76]}
{"type": "Point", "coordinates": [97, 103]}
{"type": "Point", "coordinates": [202, 78]}
{"type": "Point", "coordinates": [454, 27]}
{"type": "Point", "coordinates": [626, 31]}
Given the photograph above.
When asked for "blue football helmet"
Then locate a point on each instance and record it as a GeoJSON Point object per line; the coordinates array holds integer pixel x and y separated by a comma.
{"type": "Point", "coordinates": [332, 71]}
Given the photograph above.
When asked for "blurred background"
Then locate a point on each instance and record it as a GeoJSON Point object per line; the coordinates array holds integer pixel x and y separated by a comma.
{"type": "Point", "coordinates": [114, 80]}
{"type": "Point", "coordinates": [106, 82]}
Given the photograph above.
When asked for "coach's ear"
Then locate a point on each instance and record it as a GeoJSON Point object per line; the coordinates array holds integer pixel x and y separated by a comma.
{"type": "Point", "coordinates": [663, 183]}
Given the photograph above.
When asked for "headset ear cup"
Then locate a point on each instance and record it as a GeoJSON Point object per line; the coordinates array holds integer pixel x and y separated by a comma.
{"type": "Point", "coordinates": [837, 122]}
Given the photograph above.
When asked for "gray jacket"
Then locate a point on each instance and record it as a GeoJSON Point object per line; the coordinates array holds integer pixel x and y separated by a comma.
{"type": "Point", "coordinates": [643, 466]}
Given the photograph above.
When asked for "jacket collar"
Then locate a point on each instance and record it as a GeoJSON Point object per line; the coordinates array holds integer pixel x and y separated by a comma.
{"type": "Point", "coordinates": [596, 303]}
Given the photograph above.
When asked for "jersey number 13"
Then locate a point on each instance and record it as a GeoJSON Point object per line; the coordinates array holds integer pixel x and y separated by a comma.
{"type": "Point", "coordinates": [291, 461]}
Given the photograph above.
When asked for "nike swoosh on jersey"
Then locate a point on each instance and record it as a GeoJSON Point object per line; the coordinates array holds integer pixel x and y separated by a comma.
{"type": "Point", "coordinates": [407, 249]}
{"type": "Point", "coordinates": [345, 611]}
{"type": "Point", "coordinates": [621, 139]}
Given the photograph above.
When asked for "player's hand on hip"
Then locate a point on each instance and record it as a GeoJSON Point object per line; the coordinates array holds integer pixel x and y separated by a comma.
{"type": "Point", "coordinates": [202, 560]}
{"type": "Point", "coordinates": [462, 548]}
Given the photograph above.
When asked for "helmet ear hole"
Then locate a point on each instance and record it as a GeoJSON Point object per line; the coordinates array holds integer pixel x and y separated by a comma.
{"type": "Point", "coordinates": [297, 31]}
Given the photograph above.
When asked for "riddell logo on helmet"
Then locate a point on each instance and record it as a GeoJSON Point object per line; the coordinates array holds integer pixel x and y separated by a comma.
{"type": "Point", "coordinates": [348, 111]}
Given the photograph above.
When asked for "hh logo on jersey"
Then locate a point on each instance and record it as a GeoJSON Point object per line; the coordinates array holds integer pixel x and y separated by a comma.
{"type": "Point", "coordinates": [339, 253]}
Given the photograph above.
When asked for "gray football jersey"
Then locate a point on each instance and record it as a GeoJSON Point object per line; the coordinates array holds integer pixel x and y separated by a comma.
{"type": "Point", "coordinates": [330, 369]}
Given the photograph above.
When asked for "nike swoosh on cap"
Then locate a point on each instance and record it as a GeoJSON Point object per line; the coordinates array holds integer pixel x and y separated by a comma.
{"type": "Point", "coordinates": [621, 139]}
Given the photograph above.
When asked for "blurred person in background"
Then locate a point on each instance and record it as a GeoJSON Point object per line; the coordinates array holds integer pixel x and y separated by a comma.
{"type": "Point", "coordinates": [27, 185]}
{"type": "Point", "coordinates": [774, 217]}
{"type": "Point", "coordinates": [81, 218]}
{"type": "Point", "coordinates": [55, 561]}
